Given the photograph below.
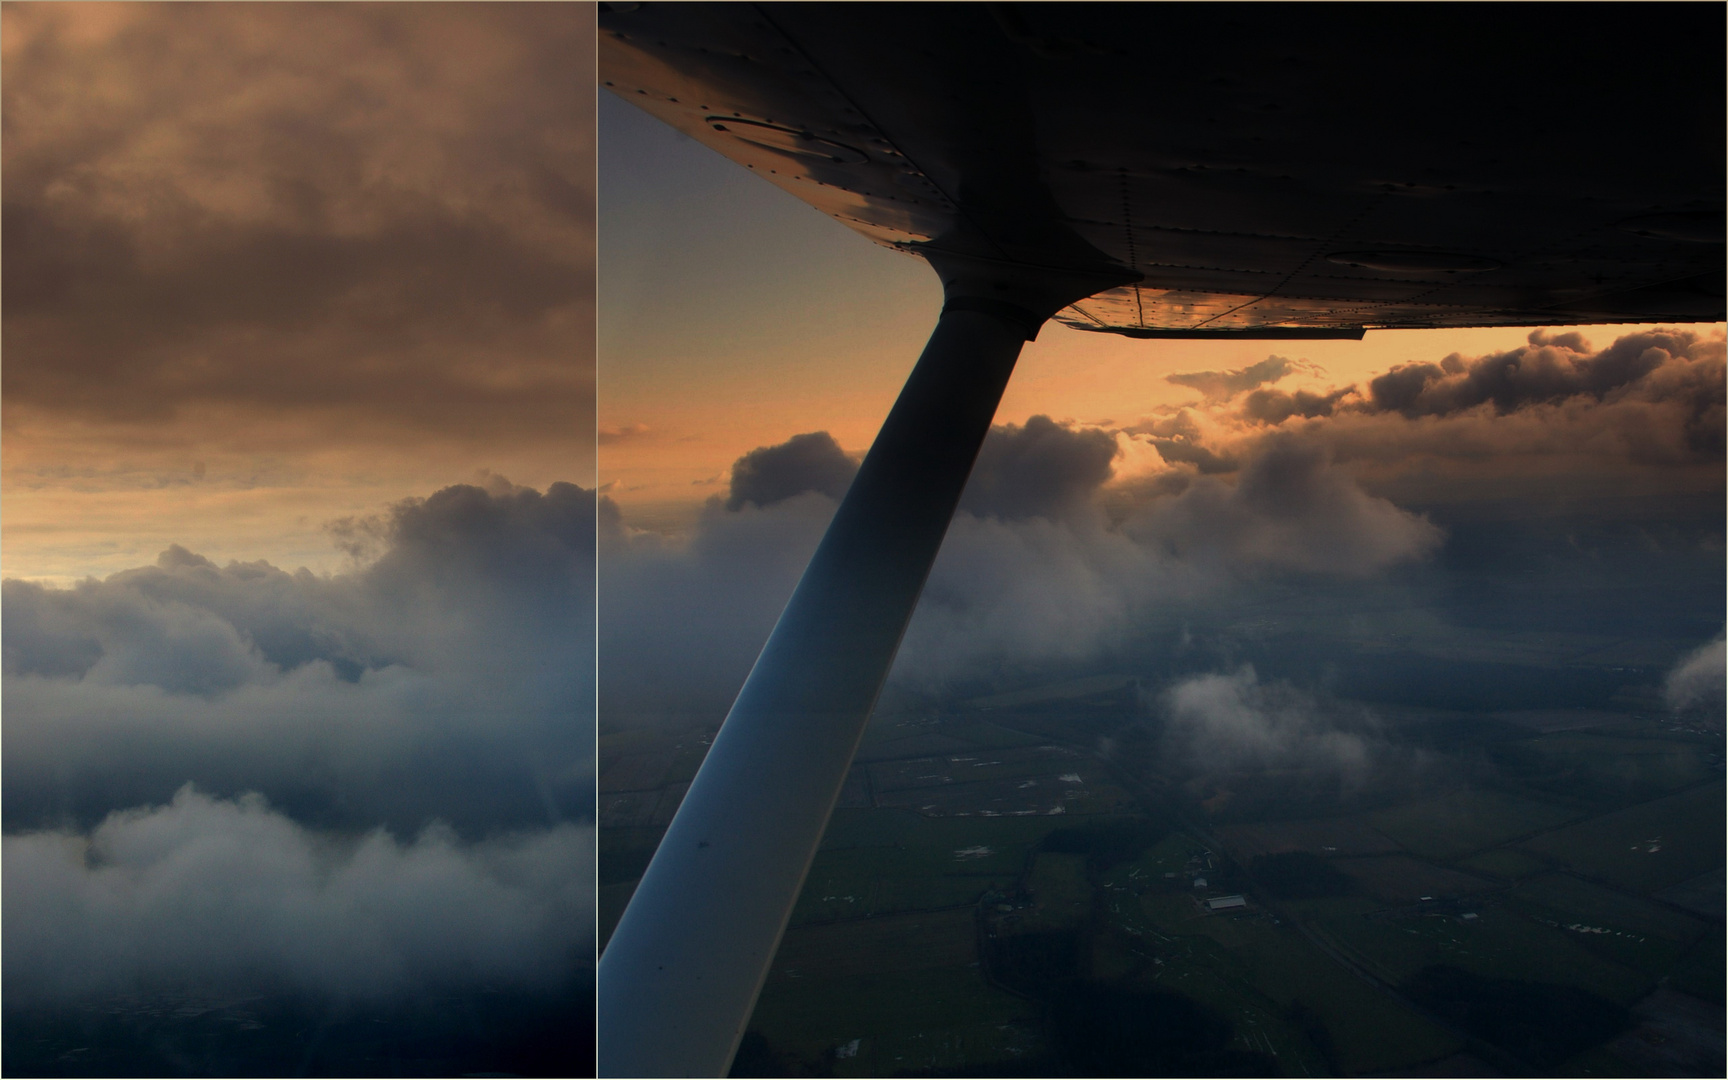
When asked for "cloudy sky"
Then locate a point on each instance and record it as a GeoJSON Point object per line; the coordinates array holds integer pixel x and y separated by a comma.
{"type": "Point", "coordinates": [732, 316]}
{"type": "Point", "coordinates": [268, 266]}
{"type": "Point", "coordinates": [298, 685]}
{"type": "Point", "coordinates": [750, 346]}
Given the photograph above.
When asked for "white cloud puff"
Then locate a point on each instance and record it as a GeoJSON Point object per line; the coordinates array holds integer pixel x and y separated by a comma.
{"type": "Point", "coordinates": [1229, 721]}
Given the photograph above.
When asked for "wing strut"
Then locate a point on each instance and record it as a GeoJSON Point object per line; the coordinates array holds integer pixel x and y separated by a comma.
{"type": "Point", "coordinates": [680, 976]}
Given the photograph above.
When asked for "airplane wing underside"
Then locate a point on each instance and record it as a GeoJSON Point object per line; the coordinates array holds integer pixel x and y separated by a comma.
{"type": "Point", "coordinates": [1264, 170]}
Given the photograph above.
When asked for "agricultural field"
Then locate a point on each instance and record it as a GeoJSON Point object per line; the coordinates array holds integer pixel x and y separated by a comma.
{"type": "Point", "coordinates": [1644, 848]}
{"type": "Point", "coordinates": [1325, 836]}
{"type": "Point", "coordinates": [1703, 894]}
{"type": "Point", "coordinates": [1498, 943]}
{"type": "Point", "coordinates": [1461, 822]}
{"type": "Point", "coordinates": [994, 886]}
{"type": "Point", "coordinates": [889, 1012]}
{"type": "Point", "coordinates": [1401, 879]}
{"type": "Point", "coordinates": [1508, 864]}
{"type": "Point", "coordinates": [1609, 770]}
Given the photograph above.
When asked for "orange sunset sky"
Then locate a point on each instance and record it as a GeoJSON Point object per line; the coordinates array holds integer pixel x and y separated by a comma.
{"type": "Point", "coordinates": [268, 266]}
{"type": "Point", "coordinates": [268, 270]}
{"type": "Point", "coordinates": [733, 316]}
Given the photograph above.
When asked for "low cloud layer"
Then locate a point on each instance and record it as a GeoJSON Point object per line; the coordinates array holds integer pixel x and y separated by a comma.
{"type": "Point", "coordinates": [1650, 399]}
{"type": "Point", "coordinates": [449, 677]}
{"type": "Point", "coordinates": [441, 690]}
{"type": "Point", "coordinates": [226, 895]}
{"type": "Point", "coordinates": [1289, 510]}
{"type": "Point", "coordinates": [1550, 369]}
{"type": "Point", "coordinates": [1072, 540]}
{"type": "Point", "coordinates": [1067, 538]}
{"type": "Point", "coordinates": [1071, 586]}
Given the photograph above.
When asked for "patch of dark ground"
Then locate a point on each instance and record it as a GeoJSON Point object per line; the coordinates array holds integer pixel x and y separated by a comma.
{"type": "Point", "coordinates": [1542, 1024]}
{"type": "Point", "coordinates": [1677, 1035]}
{"type": "Point", "coordinates": [176, 1034]}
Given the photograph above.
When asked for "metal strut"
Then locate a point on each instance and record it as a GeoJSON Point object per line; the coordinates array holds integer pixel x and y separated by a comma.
{"type": "Point", "coordinates": [680, 976]}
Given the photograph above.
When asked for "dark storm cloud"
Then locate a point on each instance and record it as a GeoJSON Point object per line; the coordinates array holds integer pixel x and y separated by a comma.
{"type": "Point", "coordinates": [1554, 406]}
{"type": "Point", "coordinates": [450, 678]}
{"type": "Point", "coordinates": [1043, 469]}
{"type": "Point", "coordinates": [772, 474]}
{"type": "Point", "coordinates": [1221, 385]}
{"type": "Point", "coordinates": [376, 211]}
{"type": "Point", "coordinates": [1660, 393]}
{"type": "Point", "coordinates": [1276, 406]}
{"type": "Point", "coordinates": [1548, 369]}
{"type": "Point", "coordinates": [234, 896]}
{"type": "Point", "coordinates": [1048, 558]}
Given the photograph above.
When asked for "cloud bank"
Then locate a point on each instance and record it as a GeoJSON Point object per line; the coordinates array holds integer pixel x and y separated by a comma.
{"type": "Point", "coordinates": [1072, 540]}
{"type": "Point", "coordinates": [1066, 539]}
{"type": "Point", "coordinates": [449, 678]}
{"type": "Point", "coordinates": [1650, 399]}
{"type": "Point", "coordinates": [441, 690]}
{"type": "Point", "coordinates": [231, 894]}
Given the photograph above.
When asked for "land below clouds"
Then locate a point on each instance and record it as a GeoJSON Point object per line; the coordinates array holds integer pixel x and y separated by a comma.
{"type": "Point", "coordinates": [1452, 893]}
{"type": "Point", "coordinates": [1481, 729]}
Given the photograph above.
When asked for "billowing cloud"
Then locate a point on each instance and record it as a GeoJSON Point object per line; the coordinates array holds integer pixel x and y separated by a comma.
{"type": "Point", "coordinates": [231, 894]}
{"type": "Point", "coordinates": [1649, 399]}
{"type": "Point", "coordinates": [373, 214]}
{"type": "Point", "coordinates": [1221, 385]}
{"type": "Point", "coordinates": [1080, 585]}
{"type": "Point", "coordinates": [771, 474]}
{"type": "Point", "coordinates": [1051, 556]}
{"type": "Point", "coordinates": [1700, 680]}
{"type": "Point", "coordinates": [1652, 400]}
{"type": "Point", "coordinates": [1290, 510]}
{"type": "Point", "coordinates": [1043, 469]}
{"type": "Point", "coordinates": [1219, 722]}
{"type": "Point", "coordinates": [1547, 370]}
{"type": "Point", "coordinates": [1070, 541]}
{"type": "Point", "coordinates": [1180, 437]}
{"type": "Point", "coordinates": [1276, 406]}
{"type": "Point", "coordinates": [450, 678]}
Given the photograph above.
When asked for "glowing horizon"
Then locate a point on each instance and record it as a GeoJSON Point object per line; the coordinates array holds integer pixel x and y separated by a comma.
{"type": "Point", "coordinates": [275, 266]}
